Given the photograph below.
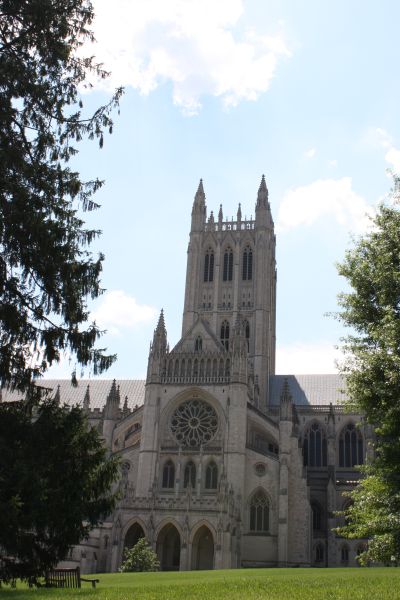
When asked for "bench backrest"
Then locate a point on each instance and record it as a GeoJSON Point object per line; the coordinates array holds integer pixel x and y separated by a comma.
{"type": "Point", "coordinates": [68, 578]}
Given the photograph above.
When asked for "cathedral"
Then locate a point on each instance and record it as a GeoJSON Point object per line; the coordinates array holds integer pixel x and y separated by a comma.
{"type": "Point", "coordinates": [223, 463]}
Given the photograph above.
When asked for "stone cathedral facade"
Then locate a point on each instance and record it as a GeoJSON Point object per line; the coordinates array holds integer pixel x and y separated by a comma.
{"type": "Point", "coordinates": [223, 463]}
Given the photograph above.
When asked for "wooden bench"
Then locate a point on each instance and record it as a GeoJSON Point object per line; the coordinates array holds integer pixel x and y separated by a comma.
{"type": "Point", "coordinates": [67, 578]}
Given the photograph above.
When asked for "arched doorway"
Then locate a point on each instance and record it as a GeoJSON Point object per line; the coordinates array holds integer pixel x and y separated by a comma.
{"type": "Point", "coordinates": [203, 549]}
{"type": "Point", "coordinates": [133, 535]}
{"type": "Point", "coordinates": [169, 548]}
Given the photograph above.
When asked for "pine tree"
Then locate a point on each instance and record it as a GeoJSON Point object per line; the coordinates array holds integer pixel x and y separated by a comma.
{"type": "Point", "coordinates": [46, 270]}
{"type": "Point", "coordinates": [55, 487]}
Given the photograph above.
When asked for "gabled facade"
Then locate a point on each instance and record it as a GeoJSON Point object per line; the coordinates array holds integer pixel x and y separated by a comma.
{"type": "Point", "coordinates": [224, 463]}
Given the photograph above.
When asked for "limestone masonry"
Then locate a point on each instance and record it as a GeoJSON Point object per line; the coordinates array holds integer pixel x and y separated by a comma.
{"type": "Point", "coordinates": [223, 463]}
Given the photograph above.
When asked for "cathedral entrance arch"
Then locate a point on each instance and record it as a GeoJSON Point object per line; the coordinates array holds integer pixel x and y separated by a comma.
{"type": "Point", "coordinates": [169, 548]}
{"type": "Point", "coordinates": [203, 549]}
{"type": "Point", "coordinates": [133, 535]}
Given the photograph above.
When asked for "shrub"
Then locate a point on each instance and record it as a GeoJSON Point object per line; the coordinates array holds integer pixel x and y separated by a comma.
{"type": "Point", "coordinates": [141, 557]}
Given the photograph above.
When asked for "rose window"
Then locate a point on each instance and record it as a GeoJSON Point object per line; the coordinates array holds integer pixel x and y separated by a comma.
{"type": "Point", "coordinates": [194, 423]}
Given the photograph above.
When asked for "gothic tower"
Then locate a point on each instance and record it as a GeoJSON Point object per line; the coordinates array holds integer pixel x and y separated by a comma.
{"type": "Point", "coordinates": [231, 276]}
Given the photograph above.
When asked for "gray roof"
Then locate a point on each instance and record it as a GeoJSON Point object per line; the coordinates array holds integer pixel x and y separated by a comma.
{"type": "Point", "coordinates": [309, 389]}
{"type": "Point", "coordinates": [98, 391]}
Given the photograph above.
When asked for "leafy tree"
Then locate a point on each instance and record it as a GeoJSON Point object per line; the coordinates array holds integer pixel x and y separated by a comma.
{"type": "Point", "coordinates": [141, 557]}
{"type": "Point", "coordinates": [46, 270]}
{"type": "Point", "coordinates": [372, 370]}
{"type": "Point", "coordinates": [55, 485]}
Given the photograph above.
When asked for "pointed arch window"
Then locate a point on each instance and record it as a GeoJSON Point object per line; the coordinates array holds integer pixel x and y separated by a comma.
{"type": "Point", "coordinates": [189, 476]}
{"type": "Point", "coordinates": [168, 478]}
{"type": "Point", "coordinates": [314, 447]}
{"type": "Point", "coordinates": [247, 264]}
{"type": "Point", "coordinates": [211, 476]}
{"type": "Point", "coordinates": [209, 265]}
{"type": "Point", "coordinates": [198, 344]}
{"type": "Point", "coordinates": [351, 447]}
{"type": "Point", "coordinates": [259, 513]}
{"type": "Point", "coordinates": [316, 516]}
{"type": "Point", "coordinates": [227, 273]}
{"type": "Point", "coordinates": [225, 334]}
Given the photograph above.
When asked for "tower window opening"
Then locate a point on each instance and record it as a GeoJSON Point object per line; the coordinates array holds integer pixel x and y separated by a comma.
{"type": "Point", "coordinates": [228, 265]}
{"type": "Point", "coordinates": [198, 344]}
{"type": "Point", "coordinates": [247, 265]}
{"type": "Point", "coordinates": [209, 266]}
{"type": "Point", "coordinates": [225, 334]}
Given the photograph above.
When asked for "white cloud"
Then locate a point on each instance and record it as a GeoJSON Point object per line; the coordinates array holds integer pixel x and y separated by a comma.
{"type": "Point", "coordinates": [302, 359]}
{"type": "Point", "coordinates": [190, 43]}
{"type": "Point", "coordinates": [310, 153]}
{"type": "Point", "coordinates": [392, 155]}
{"type": "Point", "coordinates": [333, 163]}
{"type": "Point", "coordinates": [333, 198]}
{"type": "Point", "coordinates": [118, 311]}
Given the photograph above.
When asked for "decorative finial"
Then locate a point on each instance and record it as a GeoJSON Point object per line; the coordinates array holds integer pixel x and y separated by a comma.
{"type": "Point", "coordinates": [262, 196]}
{"type": "Point", "coordinates": [57, 396]}
{"type": "Point", "coordinates": [86, 399]}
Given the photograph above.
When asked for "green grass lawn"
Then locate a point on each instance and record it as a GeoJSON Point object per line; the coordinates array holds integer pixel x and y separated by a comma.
{"type": "Point", "coordinates": [243, 584]}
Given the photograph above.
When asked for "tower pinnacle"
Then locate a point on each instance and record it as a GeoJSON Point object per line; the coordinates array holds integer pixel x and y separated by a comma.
{"type": "Point", "coordinates": [199, 209]}
{"type": "Point", "coordinates": [262, 196]}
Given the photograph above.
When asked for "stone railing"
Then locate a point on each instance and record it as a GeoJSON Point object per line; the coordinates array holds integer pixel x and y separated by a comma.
{"type": "Point", "coordinates": [230, 226]}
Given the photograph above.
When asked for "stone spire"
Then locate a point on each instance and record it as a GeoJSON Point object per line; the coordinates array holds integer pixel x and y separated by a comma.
{"type": "Point", "coordinates": [158, 350]}
{"type": "Point", "coordinates": [111, 410]}
{"type": "Point", "coordinates": [125, 408]}
{"type": "Point", "coordinates": [86, 399]}
{"type": "Point", "coordinates": [239, 213]}
{"type": "Point", "coordinates": [199, 210]}
{"type": "Point", "coordinates": [57, 395]}
{"type": "Point", "coordinates": [160, 335]}
{"type": "Point", "coordinates": [262, 196]}
{"type": "Point", "coordinates": [263, 211]}
{"type": "Point", "coordinates": [286, 402]}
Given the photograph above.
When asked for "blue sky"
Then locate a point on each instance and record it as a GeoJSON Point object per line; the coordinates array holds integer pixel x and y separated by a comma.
{"type": "Point", "coordinates": [305, 92]}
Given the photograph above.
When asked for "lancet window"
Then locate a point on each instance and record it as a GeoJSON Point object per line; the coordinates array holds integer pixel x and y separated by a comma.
{"type": "Point", "coordinates": [351, 447]}
{"type": "Point", "coordinates": [198, 344]}
{"type": "Point", "coordinates": [316, 510]}
{"type": "Point", "coordinates": [227, 273]}
{"type": "Point", "coordinates": [211, 476]}
{"type": "Point", "coordinates": [247, 264]}
{"type": "Point", "coordinates": [259, 512]}
{"type": "Point", "coordinates": [209, 266]}
{"type": "Point", "coordinates": [225, 334]}
{"type": "Point", "coordinates": [314, 447]}
{"type": "Point", "coordinates": [189, 476]}
{"type": "Point", "coordinates": [168, 479]}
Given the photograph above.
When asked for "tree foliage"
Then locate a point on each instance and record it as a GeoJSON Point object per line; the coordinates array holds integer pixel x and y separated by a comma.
{"type": "Point", "coordinates": [141, 557]}
{"type": "Point", "coordinates": [374, 513]}
{"type": "Point", "coordinates": [55, 485]}
{"type": "Point", "coordinates": [372, 370]}
{"type": "Point", "coordinates": [46, 270]}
